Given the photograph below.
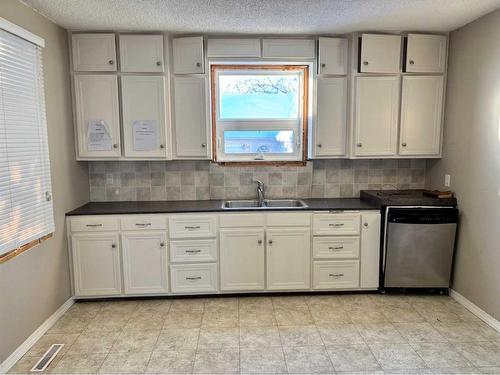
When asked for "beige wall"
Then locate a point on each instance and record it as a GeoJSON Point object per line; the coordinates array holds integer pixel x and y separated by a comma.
{"type": "Point", "coordinates": [34, 284]}
{"type": "Point", "coordinates": [472, 157]}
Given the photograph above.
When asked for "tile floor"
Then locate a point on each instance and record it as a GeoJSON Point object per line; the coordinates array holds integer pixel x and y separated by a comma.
{"type": "Point", "coordinates": [376, 334]}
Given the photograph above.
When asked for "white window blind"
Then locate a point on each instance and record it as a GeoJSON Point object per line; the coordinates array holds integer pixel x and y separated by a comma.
{"type": "Point", "coordinates": [26, 212]}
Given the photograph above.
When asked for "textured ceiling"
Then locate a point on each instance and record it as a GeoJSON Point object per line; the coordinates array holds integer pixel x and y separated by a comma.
{"type": "Point", "coordinates": [264, 16]}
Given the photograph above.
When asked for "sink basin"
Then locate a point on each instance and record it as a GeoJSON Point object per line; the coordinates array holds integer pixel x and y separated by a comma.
{"type": "Point", "coordinates": [267, 204]}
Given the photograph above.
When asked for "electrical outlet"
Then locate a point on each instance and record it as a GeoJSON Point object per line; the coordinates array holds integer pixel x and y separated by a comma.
{"type": "Point", "coordinates": [447, 180]}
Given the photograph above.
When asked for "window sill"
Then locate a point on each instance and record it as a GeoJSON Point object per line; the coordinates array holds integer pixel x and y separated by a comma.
{"type": "Point", "coordinates": [263, 163]}
{"type": "Point", "coordinates": [14, 253]}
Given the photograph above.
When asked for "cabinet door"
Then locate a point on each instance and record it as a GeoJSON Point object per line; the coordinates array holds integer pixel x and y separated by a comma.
{"type": "Point", "coordinates": [145, 262]}
{"type": "Point", "coordinates": [288, 48]}
{"type": "Point", "coordinates": [376, 116]}
{"type": "Point", "coordinates": [190, 118]}
{"type": "Point", "coordinates": [242, 259]}
{"type": "Point", "coordinates": [288, 258]}
{"type": "Point", "coordinates": [380, 53]}
{"type": "Point", "coordinates": [231, 47]}
{"type": "Point", "coordinates": [421, 115]}
{"type": "Point", "coordinates": [143, 106]}
{"type": "Point", "coordinates": [370, 249]}
{"type": "Point", "coordinates": [332, 56]}
{"type": "Point", "coordinates": [188, 55]}
{"type": "Point", "coordinates": [425, 53]}
{"type": "Point", "coordinates": [141, 53]}
{"type": "Point", "coordinates": [94, 52]}
{"type": "Point", "coordinates": [96, 264]}
{"type": "Point", "coordinates": [97, 116]}
{"type": "Point", "coordinates": [331, 119]}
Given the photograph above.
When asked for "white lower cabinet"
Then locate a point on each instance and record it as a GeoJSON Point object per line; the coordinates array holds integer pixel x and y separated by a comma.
{"type": "Point", "coordinates": [339, 274]}
{"type": "Point", "coordinates": [160, 254]}
{"type": "Point", "coordinates": [96, 264]}
{"type": "Point", "coordinates": [194, 278]}
{"type": "Point", "coordinates": [242, 259]}
{"type": "Point", "coordinates": [288, 258]}
{"type": "Point", "coordinates": [145, 267]}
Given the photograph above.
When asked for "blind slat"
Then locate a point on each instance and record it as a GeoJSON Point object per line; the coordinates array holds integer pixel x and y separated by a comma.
{"type": "Point", "coordinates": [25, 212]}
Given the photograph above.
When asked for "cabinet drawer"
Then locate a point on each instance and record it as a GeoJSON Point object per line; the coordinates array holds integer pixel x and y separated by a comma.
{"type": "Point", "coordinates": [289, 219]}
{"type": "Point", "coordinates": [94, 224]}
{"type": "Point", "coordinates": [138, 222]}
{"type": "Point", "coordinates": [241, 220]}
{"type": "Point", "coordinates": [190, 278]}
{"type": "Point", "coordinates": [343, 274]}
{"type": "Point", "coordinates": [193, 226]}
{"type": "Point", "coordinates": [336, 224]}
{"type": "Point", "coordinates": [335, 247]}
{"type": "Point", "coordinates": [193, 251]}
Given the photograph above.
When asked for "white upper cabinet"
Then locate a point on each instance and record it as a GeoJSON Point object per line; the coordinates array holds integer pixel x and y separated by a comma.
{"type": "Point", "coordinates": [97, 116]}
{"type": "Point", "coordinates": [145, 267]}
{"type": "Point", "coordinates": [331, 121]}
{"type": "Point", "coordinates": [188, 55]}
{"type": "Point", "coordinates": [288, 48]}
{"type": "Point", "coordinates": [143, 105]}
{"type": "Point", "coordinates": [242, 259]}
{"type": "Point", "coordinates": [94, 52]}
{"type": "Point", "coordinates": [141, 53]}
{"type": "Point", "coordinates": [380, 53]}
{"type": "Point", "coordinates": [332, 56]}
{"type": "Point", "coordinates": [190, 118]}
{"type": "Point", "coordinates": [288, 258]}
{"type": "Point", "coordinates": [229, 47]}
{"type": "Point", "coordinates": [421, 115]}
{"type": "Point", "coordinates": [425, 53]}
{"type": "Point", "coordinates": [376, 116]}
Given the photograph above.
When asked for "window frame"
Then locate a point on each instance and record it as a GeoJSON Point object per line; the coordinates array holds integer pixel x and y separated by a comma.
{"type": "Point", "coordinates": [218, 125]}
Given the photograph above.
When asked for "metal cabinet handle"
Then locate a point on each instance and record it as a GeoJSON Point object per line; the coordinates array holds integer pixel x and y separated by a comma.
{"type": "Point", "coordinates": [198, 64]}
{"type": "Point", "coordinates": [270, 242]}
{"type": "Point", "coordinates": [111, 62]}
{"type": "Point", "coordinates": [113, 246]}
{"type": "Point", "coordinates": [336, 225]}
{"type": "Point", "coordinates": [259, 242]}
{"type": "Point", "coordinates": [359, 145]}
{"type": "Point", "coordinates": [193, 278]}
{"type": "Point", "coordinates": [323, 65]}
{"type": "Point", "coordinates": [365, 225]}
{"type": "Point", "coordinates": [158, 63]}
{"type": "Point", "coordinates": [319, 145]}
{"type": "Point", "coordinates": [162, 244]}
{"type": "Point", "coordinates": [203, 145]}
{"type": "Point", "coordinates": [335, 247]}
{"type": "Point", "coordinates": [93, 225]}
{"type": "Point", "coordinates": [365, 63]}
{"type": "Point", "coordinates": [412, 62]}
{"type": "Point", "coordinates": [162, 146]}
{"type": "Point", "coordinates": [336, 275]}
{"type": "Point", "coordinates": [195, 251]}
{"type": "Point", "coordinates": [403, 144]}
{"type": "Point", "coordinates": [192, 227]}
{"type": "Point", "coordinates": [115, 145]}
{"type": "Point", "coordinates": [142, 224]}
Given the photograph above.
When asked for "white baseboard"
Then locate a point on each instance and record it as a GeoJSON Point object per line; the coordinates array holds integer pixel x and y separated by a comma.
{"type": "Point", "coordinates": [34, 337]}
{"type": "Point", "coordinates": [476, 310]}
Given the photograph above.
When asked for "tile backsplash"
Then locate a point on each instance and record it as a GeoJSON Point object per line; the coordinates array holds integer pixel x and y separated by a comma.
{"type": "Point", "coordinates": [189, 180]}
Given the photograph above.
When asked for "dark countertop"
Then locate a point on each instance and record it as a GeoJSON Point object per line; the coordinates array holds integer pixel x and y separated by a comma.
{"type": "Point", "coordinates": [156, 207]}
{"type": "Point", "coordinates": [404, 198]}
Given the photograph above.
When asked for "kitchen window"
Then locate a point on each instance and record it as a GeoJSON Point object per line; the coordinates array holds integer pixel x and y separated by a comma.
{"type": "Point", "coordinates": [26, 214]}
{"type": "Point", "coordinates": [259, 112]}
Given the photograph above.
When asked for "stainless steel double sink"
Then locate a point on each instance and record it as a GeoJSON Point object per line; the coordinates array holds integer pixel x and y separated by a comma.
{"type": "Point", "coordinates": [267, 204]}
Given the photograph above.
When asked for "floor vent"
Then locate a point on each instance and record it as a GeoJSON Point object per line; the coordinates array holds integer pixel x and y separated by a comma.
{"type": "Point", "coordinates": [49, 355]}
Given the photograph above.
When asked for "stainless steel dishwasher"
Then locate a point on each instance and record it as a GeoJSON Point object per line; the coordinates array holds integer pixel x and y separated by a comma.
{"type": "Point", "coordinates": [418, 246]}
